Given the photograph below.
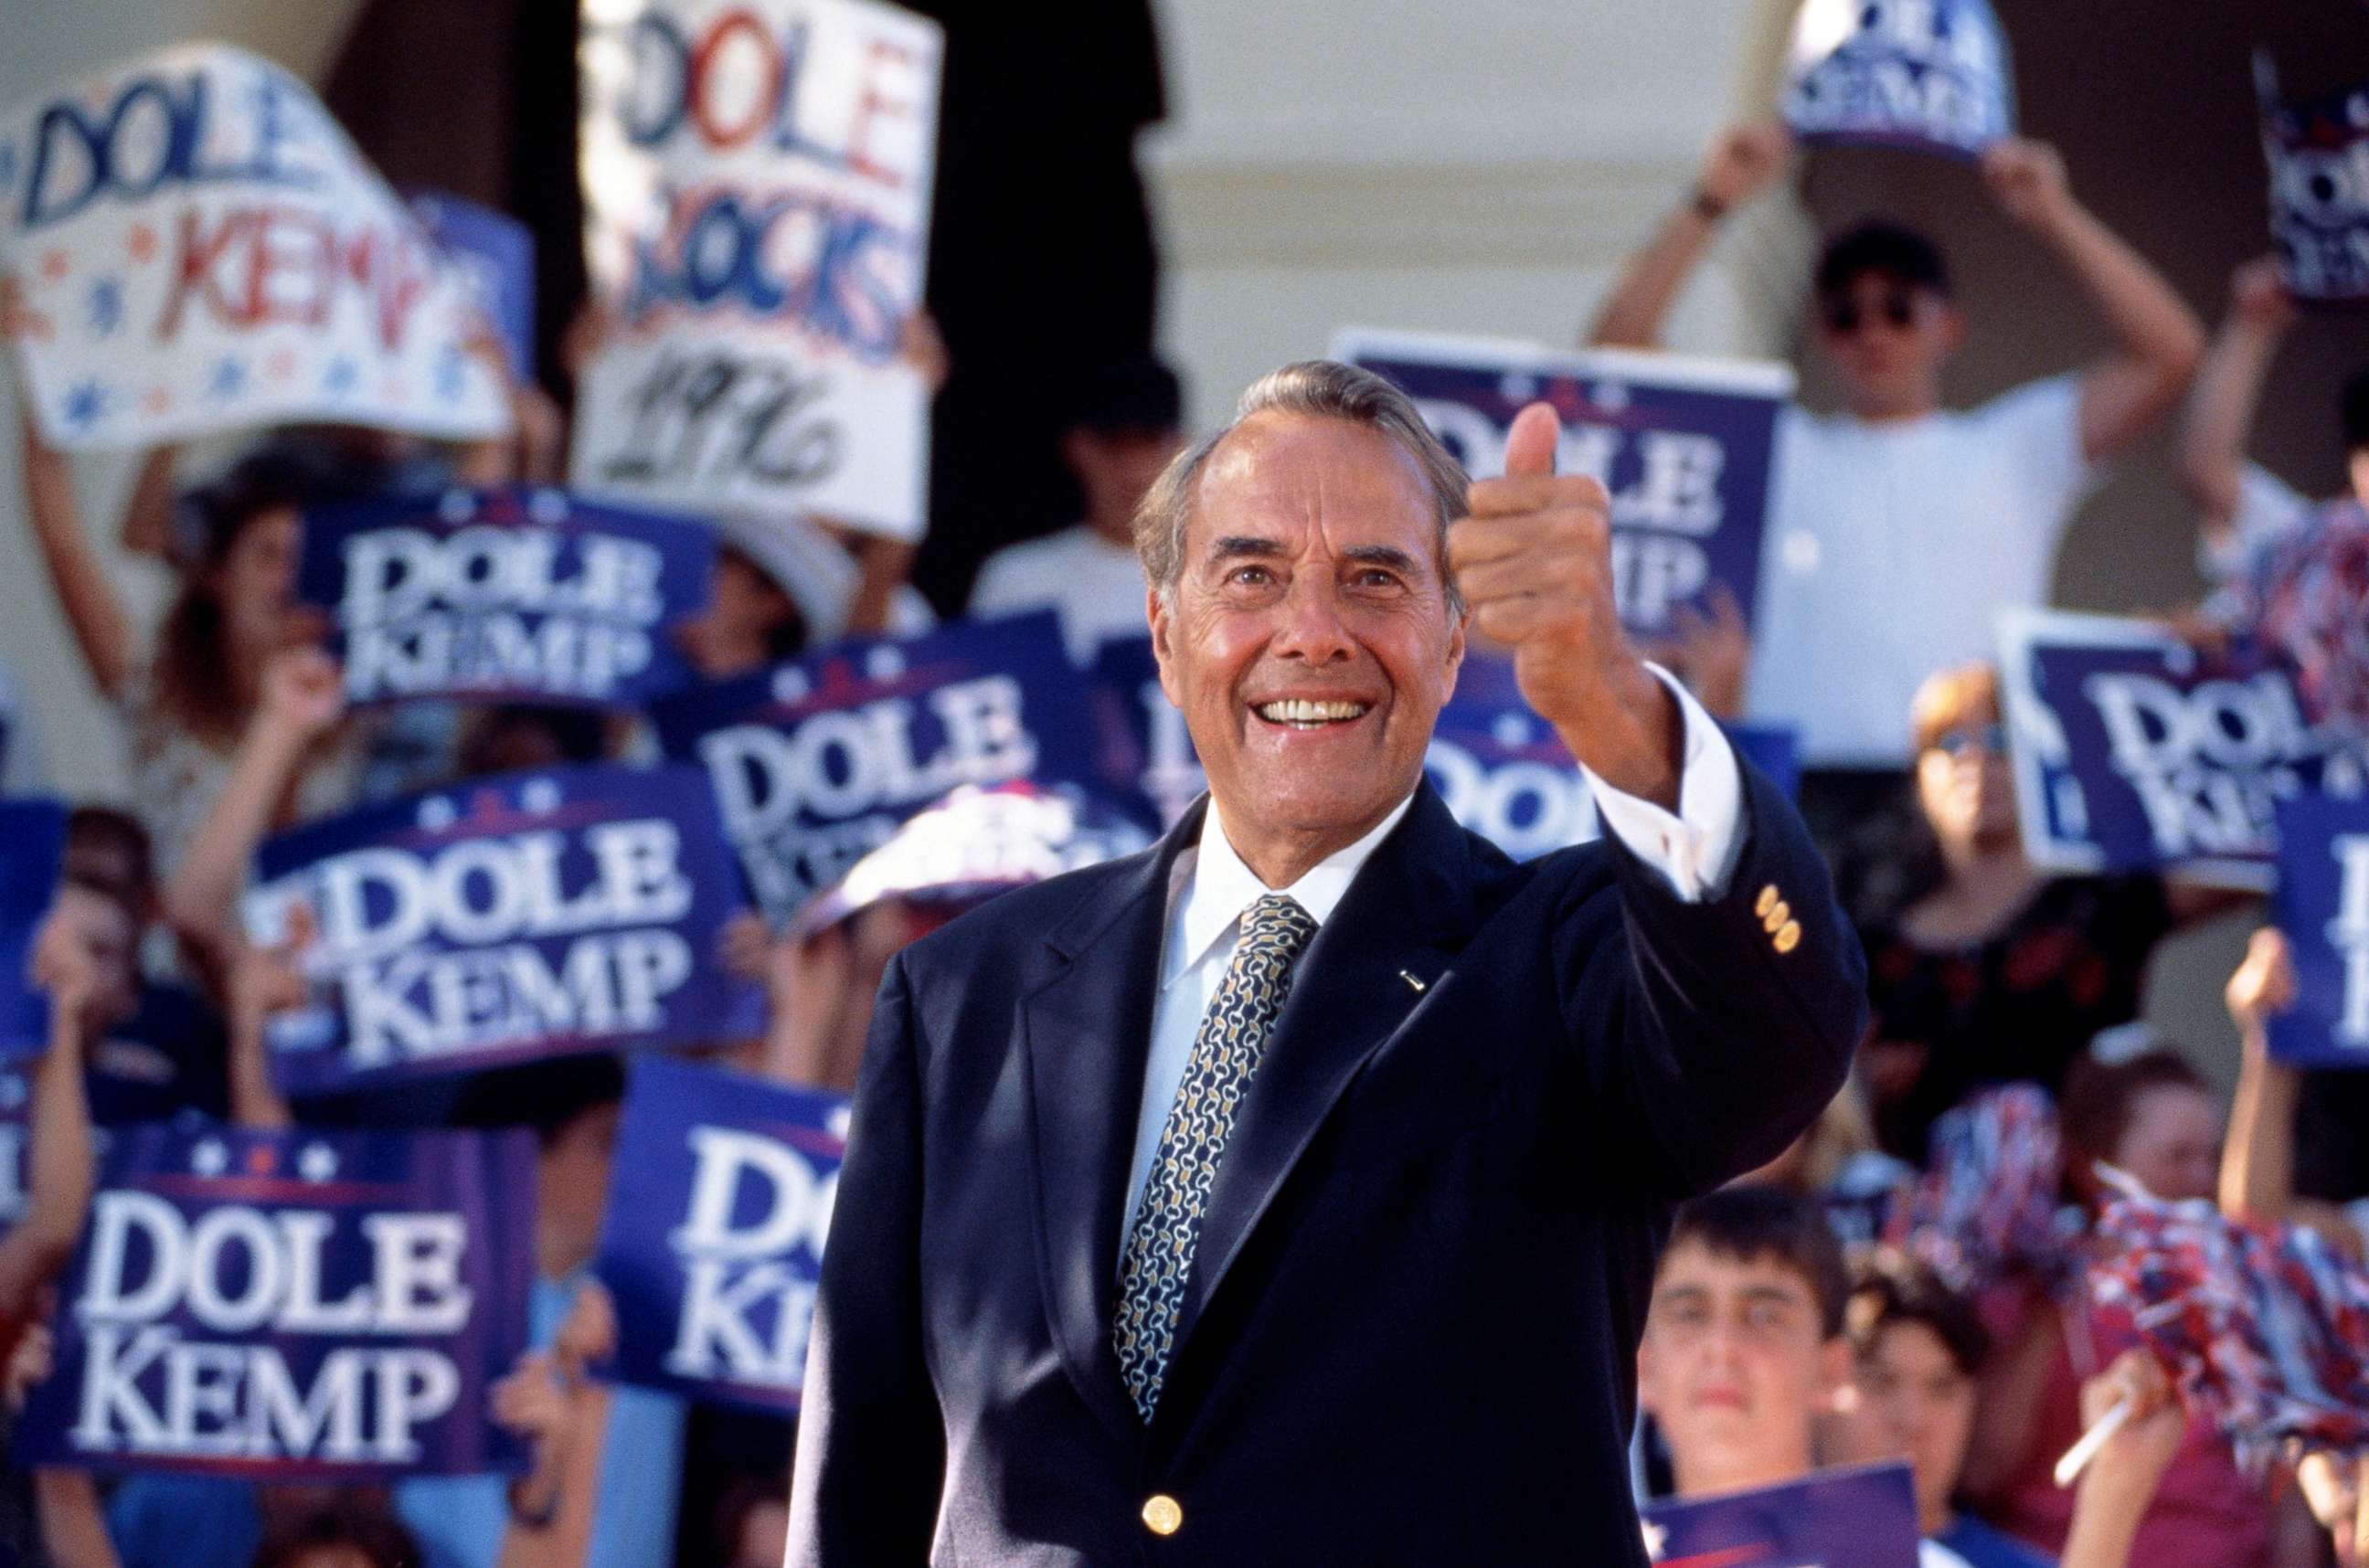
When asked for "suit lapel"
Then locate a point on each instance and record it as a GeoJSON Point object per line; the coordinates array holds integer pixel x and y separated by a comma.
{"type": "Point", "coordinates": [1088, 1032]}
{"type": "Point", "coordinates": [1347, 997]}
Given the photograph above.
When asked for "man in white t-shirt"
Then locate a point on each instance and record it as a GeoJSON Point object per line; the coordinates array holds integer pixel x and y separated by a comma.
{"type": "Point", "coordinates": [1129, 424]}
{"type": "Point", "coordinates": [1899, 528]}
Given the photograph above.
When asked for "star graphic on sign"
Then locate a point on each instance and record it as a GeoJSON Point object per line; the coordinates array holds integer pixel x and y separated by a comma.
{"type": "Point", "coordinates": [141, 241]}
{"type": "Point", "coordinates": [438, 812]}
{"type": "Point", "coordinates": [106, 304]}
{"type": "Point", "coordinates": [790, 685]}
{"type": "Point", "coordinates": [341, 375]}
{"type": "Point", "coordinates": [1516, 387]}
{"type": "Point", "coordinates": [1512, 730]}
{"type": "Point", "coordinates": [884, 664]}
{"type": "Point", "coordinates": [1658, 1538]}
{"type": "Point", "coordinates": [1610, 397]}
{"type": "Point", "coordinates": [281, 364]}
{"type": "Point", "coordinates": [539, 796]}
{"type": "Point", "coordinates": [56, 265]}
{"type": "Point", "coordinates": [228, 378]}
{"type": "Point", "coordinates": [156, 400]}
{"type": "Point", "coordinates": [317, 1163]}
{"type": "Point", "coordinates": [210, 1158]}
{"type": "Point", "coordinates": [86, 405]}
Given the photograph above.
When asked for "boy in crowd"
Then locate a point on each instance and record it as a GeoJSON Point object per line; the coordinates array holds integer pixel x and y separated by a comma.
{"type": "Point", "coordinates": [1745, 1349]}
{"type": "Point", "coordinates": [1940, 516]}
{"type": "Point", "coordinates": [1129, 423]}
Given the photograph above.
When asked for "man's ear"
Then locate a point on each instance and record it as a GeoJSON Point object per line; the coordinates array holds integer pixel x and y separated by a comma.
{"type": "Point", "coordinates": [1457, 629]}
{"type": "Point", "coordinates": [1953, 327]}
{"type": "Point", "coordinates": [1163, 625]}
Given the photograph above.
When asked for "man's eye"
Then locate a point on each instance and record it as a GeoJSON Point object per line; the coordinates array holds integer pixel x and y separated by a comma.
{"type": "Point", "coordinates": [1252, 575]}
{"type": "Point", "coordinates": [1375, 577]}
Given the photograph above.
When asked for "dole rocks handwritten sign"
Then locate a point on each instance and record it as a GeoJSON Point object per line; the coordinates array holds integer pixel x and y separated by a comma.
{"type": "Point", "coordinates": [528, 914]}
{"type": "Point", "coordinates": [195, 246]}
{"type": "Point", "coordinates": [713, 1239]}
{"type": "Point", "coordinates": [296, 1305]}
{"type": "Point", "coordinates": [1683, 445]}
{"type": "Point", "coordinates": [2133, 753]}
{"type": "Point", "coordinates": [1928, 74]}
{"type": "Point", "coordinates": [2322, 905]}
{"type": "Point", "coordinates": [757, 184]}
{"type": "Point", "coordinates": [816, 762]}
{"type": "Point", "coordinates": [504, 595]}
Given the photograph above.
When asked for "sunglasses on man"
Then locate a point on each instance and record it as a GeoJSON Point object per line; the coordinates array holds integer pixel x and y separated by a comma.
{"type": "Point", "coordinates": [1988, 738]}
{"type": "Point", "coordinates": [1842, 317]}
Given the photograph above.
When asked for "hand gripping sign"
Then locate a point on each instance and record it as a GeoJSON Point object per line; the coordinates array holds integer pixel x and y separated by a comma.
{"type": "Point", "coordinates": [2134, 752]}
{"type": "Point", "coordinates": [815, 763]}
{"type": "Point", "coordinates": [756, 182]}
{"type": "Point", "coordinates": [1683, 445]}
{"type": "Point", "coordinates": [1928, 74]}
{"type": "Point", "coordinates": [193, 245]}
{"type": "Point", "coordinates": [712, 1244]}
{"type": "Point", "coordinates": [504, 596]}
{"type": "Point", "coordinates": [286, 1305]}
{"type": "Point", "coordinates": [525, 915]}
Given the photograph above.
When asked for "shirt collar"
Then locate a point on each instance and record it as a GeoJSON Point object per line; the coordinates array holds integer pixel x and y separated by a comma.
{"type": "Point", "coordinates": [1222, 886]}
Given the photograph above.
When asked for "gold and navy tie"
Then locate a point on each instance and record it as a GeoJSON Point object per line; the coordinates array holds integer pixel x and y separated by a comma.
{"type": "Point", "coordinates": [1158, 1258]}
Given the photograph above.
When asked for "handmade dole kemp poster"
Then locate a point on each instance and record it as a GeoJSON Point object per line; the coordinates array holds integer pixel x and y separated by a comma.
{"type": "Point", "coordinates": [291, 1306]}
{"type": "Point", "coordinates": [1860, 1517]}
{"type": "Point", "coordinates": [195, 247]}
{"type": "Point", "coordinates": [2318, 149]}
{"type": "Point", "coordinates": [34, 833]}
{"type": "Point", "coordinates": [2322, 905]}
{"type": "Point", "coordinates": [509, 595]}
{"type": "Point", "coordinates": [1683, 445]}
{"type": "Point", "coordinates": [712, 1244]}
{"type": "Point", "coordinates": [2133, 751]}
{"type": "Point", "coordinates": [816, 762]}
{"type": "Point", "coordinates": [1932, 76]}
{"type": "Point", "coordinates": [756, 182]}
{"type": "Point", "coordinates": [534, 914]}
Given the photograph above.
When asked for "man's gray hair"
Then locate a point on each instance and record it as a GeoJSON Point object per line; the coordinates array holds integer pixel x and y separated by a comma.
{"type": "Point", "coordinates": [1313, 386]}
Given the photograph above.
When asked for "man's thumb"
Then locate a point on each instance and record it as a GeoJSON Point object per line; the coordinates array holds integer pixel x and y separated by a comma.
{"type": "Point", "coordinates": [1530, 444]}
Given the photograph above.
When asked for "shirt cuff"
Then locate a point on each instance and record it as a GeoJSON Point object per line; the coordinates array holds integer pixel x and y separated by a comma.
{"type": "Point", "coordinates": [1695, 851]}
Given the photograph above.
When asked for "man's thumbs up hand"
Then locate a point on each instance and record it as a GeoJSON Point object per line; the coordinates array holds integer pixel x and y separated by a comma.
{"type": "Point", "coordinates": [1534, 561]}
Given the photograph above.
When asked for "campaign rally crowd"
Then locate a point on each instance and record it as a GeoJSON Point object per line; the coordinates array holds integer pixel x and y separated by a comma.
{"type": "Point", "coordinates": [422, 1075]}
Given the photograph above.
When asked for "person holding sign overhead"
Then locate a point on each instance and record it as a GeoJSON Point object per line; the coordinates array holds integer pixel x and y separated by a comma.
{"type": "Point", "coordinates": [1938, 516]}
{"type": "Point", "coordinates": [1289, 1191]}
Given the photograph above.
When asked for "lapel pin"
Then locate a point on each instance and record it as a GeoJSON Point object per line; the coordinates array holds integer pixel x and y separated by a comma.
{"type": "Point", "coordinates": [1419, 987]}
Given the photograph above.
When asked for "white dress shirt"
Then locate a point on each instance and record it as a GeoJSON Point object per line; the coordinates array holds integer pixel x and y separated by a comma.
{"type": "Point", "coordinates": [1209, 886]}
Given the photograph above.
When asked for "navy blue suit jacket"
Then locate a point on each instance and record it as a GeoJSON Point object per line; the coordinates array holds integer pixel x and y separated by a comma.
{"type": "Point", "coordinates": [1412, 1325]}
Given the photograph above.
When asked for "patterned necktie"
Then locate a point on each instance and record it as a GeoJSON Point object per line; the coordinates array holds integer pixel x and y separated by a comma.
{"type": "Point", "coordinates": [1158, 1259]}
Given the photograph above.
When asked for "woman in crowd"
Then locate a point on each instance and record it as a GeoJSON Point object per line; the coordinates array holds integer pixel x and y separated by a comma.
{"type": "Point", "coordinates": [1983, 968]}
{"type": "Point", "coordinates": [188, 697]}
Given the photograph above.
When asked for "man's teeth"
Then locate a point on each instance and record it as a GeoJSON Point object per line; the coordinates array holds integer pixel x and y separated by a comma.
{"type": "Point", "coordinates": [1299, 710]}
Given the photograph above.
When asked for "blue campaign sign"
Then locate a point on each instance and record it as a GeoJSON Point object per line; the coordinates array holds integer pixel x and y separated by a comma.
{"type": "Point", "coordinates": [1775, 750]}
{"type": "Point", "coordinates": [523, 915]}
{"type": "Point", "coordinates": [2133, 751]}
{"type": "Point", "coordinates": [1683, 445]}
{"type": "Point", "coordinates": [2318, 149]}
{"type": "Point", "coordinates": [815, 762]}
{"type": "Point", "coordinates": [35, 833]}
{"type": "Point", "coordinates": [2322, 905]}
{"type": "Point", "coordinates": [1501, 770]}
{"type": "Point", "coordinates": [1928, 74]}
{"type": "Point", "coordinates": [714, 1233]}
{"type": "Point", "coordinates": [494, 255]}
{"type": "Point", "coordinates": [508, 595]}
{"type": "Point", "coordinates": [291, 1306]}
{"type": "Point", "coordinates": [1861, 1517]}
{"type": "Point", "coordinates": [1144, 755]}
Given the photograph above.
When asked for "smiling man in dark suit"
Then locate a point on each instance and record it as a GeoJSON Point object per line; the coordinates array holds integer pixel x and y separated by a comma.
{"type": "Point", "coordinates": [1289, 1193]}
